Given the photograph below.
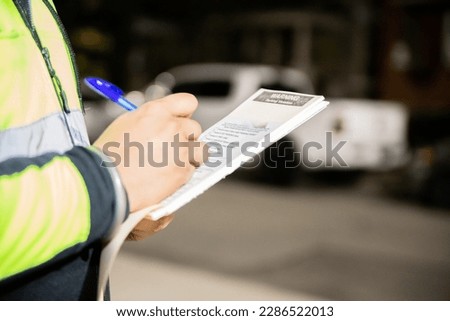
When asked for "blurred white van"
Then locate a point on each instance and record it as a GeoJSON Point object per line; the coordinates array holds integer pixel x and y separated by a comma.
{"type": "Point", "coordinates": [374, 132]}
{"type": "Point", "coordinates": [349, 135]}
{"type": "Point", "coordinates": [222, 87]}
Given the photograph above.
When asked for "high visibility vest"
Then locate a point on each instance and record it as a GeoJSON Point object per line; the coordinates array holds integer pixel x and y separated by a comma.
{"type": "Point", "coordinates": [54, 196]}
{"type": "Point", "coordinates": [40, 103]}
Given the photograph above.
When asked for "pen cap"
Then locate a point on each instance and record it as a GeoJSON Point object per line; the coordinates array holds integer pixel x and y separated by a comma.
{"type": "Point", "coordinates": [104, 88]}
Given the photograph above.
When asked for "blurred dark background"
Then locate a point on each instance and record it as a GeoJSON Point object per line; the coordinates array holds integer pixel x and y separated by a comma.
{"type": "Point", "coordinates": [393, 241]}
{"type": "Point", "coordinates": [384, 49]}
{"type": "Point", "coordinates": [397, 50]}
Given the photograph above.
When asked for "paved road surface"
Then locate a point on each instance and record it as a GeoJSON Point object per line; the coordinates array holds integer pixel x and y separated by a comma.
{"type": "Point", "coordinates": [298, 242]}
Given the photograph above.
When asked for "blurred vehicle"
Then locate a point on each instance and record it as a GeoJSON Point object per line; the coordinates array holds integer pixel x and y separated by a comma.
{"type": "Point", "coordinates": [222, 87]}
{"type": "Point", "coordinates": [349, 137]}
{"type": "Point", "coordinates": [364, 134]}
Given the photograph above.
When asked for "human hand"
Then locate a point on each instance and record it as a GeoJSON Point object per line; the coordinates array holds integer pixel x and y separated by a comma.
{"type": "Point", "coordinates": [154, 148]}
{"type": "Point", "coordinates": [147, 227]}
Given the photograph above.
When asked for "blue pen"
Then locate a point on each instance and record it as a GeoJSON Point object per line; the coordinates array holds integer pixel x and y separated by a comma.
{"type": "Point", "coordinates": [110, 91]}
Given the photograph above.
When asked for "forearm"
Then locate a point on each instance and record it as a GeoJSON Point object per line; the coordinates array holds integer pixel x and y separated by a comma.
{"type": "Point", "coordinates": [52, 206]}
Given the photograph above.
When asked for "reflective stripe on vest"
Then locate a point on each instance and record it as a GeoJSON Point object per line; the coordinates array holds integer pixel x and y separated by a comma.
{"type": "Point", "coordinates": [48, 134]}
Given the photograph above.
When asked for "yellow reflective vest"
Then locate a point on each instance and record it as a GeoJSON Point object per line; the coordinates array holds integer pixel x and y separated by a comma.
{"type": "Point", "coordinates": [55, 198]}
